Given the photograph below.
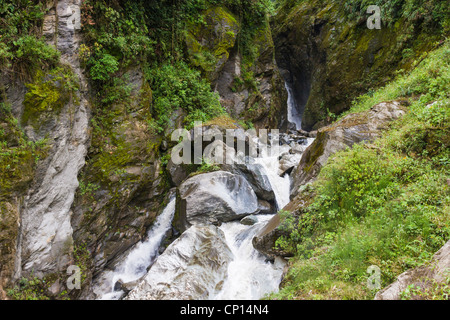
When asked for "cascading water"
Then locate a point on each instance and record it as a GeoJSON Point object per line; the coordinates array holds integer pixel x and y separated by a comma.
{"type": "Point", "coordinates": [293, 114]}
{"type": "Point", "coordinates": [142, 255]}
{"type": "Point", "coordinates": [250, 275]}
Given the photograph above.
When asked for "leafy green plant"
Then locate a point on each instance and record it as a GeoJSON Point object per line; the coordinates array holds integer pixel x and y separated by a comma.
{"type": "Point", "coordinates": [29, 289]}
{"type": "Point", "coordinates": [103, 66]}
{"type": "Point", "coordinates": [178, 86]}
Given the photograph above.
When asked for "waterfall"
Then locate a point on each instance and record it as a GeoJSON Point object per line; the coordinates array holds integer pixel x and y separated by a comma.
{"type": "Point", "coordinates": [250, 275]}
{"type": "Point", "coordinates": [142, 255]}
{"type": "Point", "coordinates": [280, 185]}
{"type": "Point", "coordinates": [294, 116]}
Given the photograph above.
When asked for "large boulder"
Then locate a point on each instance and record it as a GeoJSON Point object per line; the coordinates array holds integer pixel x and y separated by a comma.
{"type": "Point", "coordinates": [209, 44]}
{"type": "Point", "coordinates": [193, 267]}
{"type": "Point", "coordinates": [423, 277]}
{"type": "Point", "coordinates": [353, 128]}
{"type": "Point", "coordinates": [213, 198]}
{"type": "Point", "coordinates": [257, 177]}
{"type": "Point", "coordinates": [265, 240]}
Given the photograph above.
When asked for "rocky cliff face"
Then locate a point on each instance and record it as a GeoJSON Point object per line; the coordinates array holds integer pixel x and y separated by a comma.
{"type": "Point", "coordinates": [420, 280]}
{"type": "Point", "coordinates": [330, 56]}
{"type": "Point", "coordinates": [53, 108]}
{"type": "Point", "coordinates": [251, 89]}
{"type": "Point", "coordinates": [46, 231]}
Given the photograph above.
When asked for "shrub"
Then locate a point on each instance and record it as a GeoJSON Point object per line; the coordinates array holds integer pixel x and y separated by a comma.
{"type": "Point", "coordinates": [178, 86]}
{"type": "Point", "coordinates": [103, 66]}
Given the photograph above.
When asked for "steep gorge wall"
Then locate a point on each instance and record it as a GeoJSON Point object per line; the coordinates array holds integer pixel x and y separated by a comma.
{"type": "Point", "coordinates": [250, 88]}
{"type": "Point", "coordinates": [330, 56]}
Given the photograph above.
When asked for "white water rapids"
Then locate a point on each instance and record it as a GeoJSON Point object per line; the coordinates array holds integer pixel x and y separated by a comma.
{"type": "Point", "coordinates": [249, 276]}
{"type": "Point", "coordinates": [142, 255]}
{"type": "Point", "coordinates": [293, 114]}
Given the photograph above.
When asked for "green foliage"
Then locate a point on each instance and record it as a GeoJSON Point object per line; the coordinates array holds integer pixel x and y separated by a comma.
{"type": "Point", "coordinates": [118, 27]}
{"type": "Point", "coordinates": [29, 289]}
{"type": "Point", "coordinates": [433, 290]}
{"type": "Point", "coordinates": [21, 49]}
{"type": "Point", "coordinates": [103, 66]}
{"type": "Point", "coordinates": [207, 166]}
{"type": "Point", "coordinates": [383, 204]}
{"type": "Point", "coordinates": [18, 155]}
{"type": "Point", "coordinates": [82, 259]}
{"type": "Point", "coordinates": [49, 93]}
{"type": "Point", "coordinates": [178, 86]}
{"type": "Point", "coordinates": [35, 51]}
{"type": "Point", "coordinates": [433, 13]}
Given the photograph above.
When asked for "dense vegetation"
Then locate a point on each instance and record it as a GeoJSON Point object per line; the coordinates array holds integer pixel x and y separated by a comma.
{"type": "Point", "coordinates": [385, 203]}
{"type": "Point", "coordinates": [22, 50]}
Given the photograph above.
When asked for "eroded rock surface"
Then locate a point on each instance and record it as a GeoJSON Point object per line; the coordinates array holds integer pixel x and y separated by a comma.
{"type": "Point", "coordinates": [353, 128]}
{"type": "Point", "coordinates": [193, 267]}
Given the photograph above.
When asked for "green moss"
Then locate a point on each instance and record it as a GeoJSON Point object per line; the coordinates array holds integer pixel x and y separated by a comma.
{"type": "Point", "coordinates": [316, 151]}
{"type": "Point", "coordinates": [211, 42]}
{"type": "Point", "coordinates": [18, 155]}
{"type": "Point", "coordinates": [48, 94]}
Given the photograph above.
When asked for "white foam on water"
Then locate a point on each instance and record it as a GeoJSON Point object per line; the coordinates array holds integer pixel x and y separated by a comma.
{"type": "Point", "coordinates": [142, 255]}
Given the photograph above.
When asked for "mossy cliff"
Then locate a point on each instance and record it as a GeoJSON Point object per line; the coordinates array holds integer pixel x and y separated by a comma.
{"type": "Point", "coordinates": [331, 56]}
{"type": "Point", "coordinates": [381, 199]}
{"type": "Point", "coordinates": [239, 62]}
{"type": "Point", "coordinates": [123, 185]}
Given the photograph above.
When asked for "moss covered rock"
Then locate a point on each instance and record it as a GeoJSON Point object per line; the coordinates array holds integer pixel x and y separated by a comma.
{"type": "Point", "coordinates": [209, 43]}
{"type": "Point", "coordinates": [331, 56]}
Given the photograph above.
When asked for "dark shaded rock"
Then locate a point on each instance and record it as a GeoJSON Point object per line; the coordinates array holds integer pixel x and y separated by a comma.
{"type": "Point", "coordinates": [249, 220]}
{"type": "Point", "coordinates": [265, 207]}
{"type": "Point", "coordinates": [215, 197]}
{"type": "Point", "coordinates": [353, 128]}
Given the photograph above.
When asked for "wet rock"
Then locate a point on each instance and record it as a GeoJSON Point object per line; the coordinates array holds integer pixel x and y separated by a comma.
{"type": "Point", "coordinates": [126, 286]}
{"type": "Point", "coordinates": [288, 162]}
{"type": "Point", "coordinates": [265, 207]}
{"type": "Point", "coordinates": [257, 177]}
{"type": "Point", "coordinates": [354, 128]}
{"type": "Point", "coordinates": [249, 220]}
{"type": "Point", "coordinates": [265, 240]}
{"type": "Point", "coordinates": [215, 197]}
{"type": "Point", "coordinates": [178, 173]}
{"type": "Point", "coordinates": [192, 267]}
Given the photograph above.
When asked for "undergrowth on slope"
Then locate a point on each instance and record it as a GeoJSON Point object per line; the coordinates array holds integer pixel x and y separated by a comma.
{"type": "Point", "coordinates": [386, 203]}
